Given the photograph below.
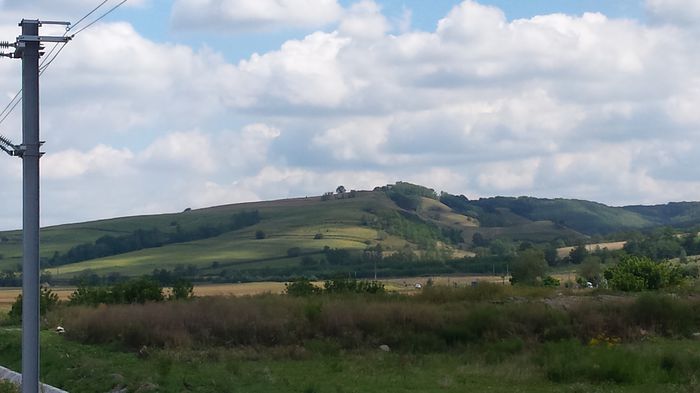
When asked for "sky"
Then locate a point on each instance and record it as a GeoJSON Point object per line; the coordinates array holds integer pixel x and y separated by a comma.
{"type": "Point", "coordinates": [165, 105]}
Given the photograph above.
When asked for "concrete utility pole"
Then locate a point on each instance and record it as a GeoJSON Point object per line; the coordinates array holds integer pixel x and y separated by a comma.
{"type": "Point", "coordinates": [28, 48]}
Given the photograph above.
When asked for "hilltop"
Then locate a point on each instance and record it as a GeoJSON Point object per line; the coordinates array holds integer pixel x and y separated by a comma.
{"type": "Point", "coordinates": [318, 235]}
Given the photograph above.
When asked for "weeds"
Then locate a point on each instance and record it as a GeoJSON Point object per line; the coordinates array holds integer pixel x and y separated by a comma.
{"type": "Point", "coordinates": [439, 318]}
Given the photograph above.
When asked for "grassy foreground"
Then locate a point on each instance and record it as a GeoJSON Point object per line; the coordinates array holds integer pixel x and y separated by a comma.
{"type": "Point", "coordinates": [490, 338]}
{"type": "Point", "coordinates": [655, 366]}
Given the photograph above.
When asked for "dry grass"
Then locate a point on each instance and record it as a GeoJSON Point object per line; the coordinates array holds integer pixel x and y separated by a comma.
{"type": "Point", "coordinates": [8, 295]}
{"type": "Point", "coordinates": [242, 289]}
{"type": "Point", "coordinates": [408, 284]}
{"type": "Point", "coordinates": [437, 319]}
{"type": "Point", "coordinates": [611, 246]}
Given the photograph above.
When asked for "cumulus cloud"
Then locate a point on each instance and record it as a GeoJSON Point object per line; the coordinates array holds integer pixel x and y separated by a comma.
{"type": "Point", "coordinates": [554, 106]}
{"type": "Point", "coordinates": [364, 20]}
{"type": "Point", "coordinates": [244, 15]}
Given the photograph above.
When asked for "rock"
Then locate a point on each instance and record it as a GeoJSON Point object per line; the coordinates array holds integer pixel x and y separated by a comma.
{"type": "Point", "coordinates": [696, 336]}
{"type": "Point", "coordinates": [119, 390]}
{"type": "Point", "coordinates": [384, 348]}
{"type": "Point", "coordinates": [60, 330]}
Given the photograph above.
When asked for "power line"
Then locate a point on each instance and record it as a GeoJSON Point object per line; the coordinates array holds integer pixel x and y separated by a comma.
{"type": "Point", "coordinates": [85, 16]}
{"type": "Point", "coordinates": [11, 101]}
{"type": "Point", "coordinates": [46, 62]}
{"type": "Point", "coordinates": [98, 19]}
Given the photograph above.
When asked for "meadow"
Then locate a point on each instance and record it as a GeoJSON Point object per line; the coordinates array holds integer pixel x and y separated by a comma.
{"type": "Point", "coordinates": [490, 337]}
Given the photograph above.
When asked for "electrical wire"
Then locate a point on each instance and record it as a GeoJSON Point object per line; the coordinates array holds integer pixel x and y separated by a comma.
{"type": "Point", "coordinates": [98, 19]}
{"type": "Point", "coordinates": [11, 102]}
{"type": "Point", "coordinates": [85, 16]}
{"type": "Point", "coordinates": [46, 62]}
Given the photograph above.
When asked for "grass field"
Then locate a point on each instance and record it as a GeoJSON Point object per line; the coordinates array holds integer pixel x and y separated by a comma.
{"type": "Point", "coordinates": [286, 223]}
{"type": "Point", "coordinates": [403, 285]}
{"type": "Point", "coordinates": [321, 368]}
{"type": "Point", "coordinates": [489, 338]}
{"type": "Point", "coordinates": [611, 246]}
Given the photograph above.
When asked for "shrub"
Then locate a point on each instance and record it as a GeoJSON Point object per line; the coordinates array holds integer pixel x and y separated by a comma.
{"type": "Point", "coordinates": [301, 287]}
{"type": "Point", "coordinates": [182, 290]}
{"type": "Point", "coordinates": [260, 234]}
{"type": "Point", "coordinates": [634, 274]}
{"type": "Point", "coordinates": [529, 267]}
{"type": "Point", "coordinates": [552, 282]}
{"type": "Point", "coordinates": [138, 290]}
{"type": "Point", "coordinates": [48, 300]}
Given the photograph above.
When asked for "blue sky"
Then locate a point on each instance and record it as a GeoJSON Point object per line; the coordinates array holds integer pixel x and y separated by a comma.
{"type": "Point", "coordinates": [165, 105]}
{"type": "Point", "coordinates": [153, 20]}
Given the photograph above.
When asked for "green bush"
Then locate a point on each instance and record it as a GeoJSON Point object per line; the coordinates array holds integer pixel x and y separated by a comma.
{"type": "Point", "coordinates": [48, 300]}
{"type": "Point", "coordinates": [182, 290]}
{"type": "Point", "coordinates": [635, 274]}
{"type": "Point", "coordinates": [301, 287]}
{"type": "Point", "coordinates": [139, 290]}
{"type": "Point", "coordinates": [552, 282]}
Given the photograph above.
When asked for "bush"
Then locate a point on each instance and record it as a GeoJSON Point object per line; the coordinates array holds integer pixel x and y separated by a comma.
{"type": "Point", "coordinates": [140, 290]}
{"type": "Point", "coordinates": [552, 282]}
{"type": "Point", "coordinates": [529, 267]}
{"type": "Point", "coordinates": [182, 290]}
{"type": "Point", "coordinates": [634, 274]}
{"type": "Point", "coordinates": [260, 234]}
{"type": "Point", "coordinates": [301, 287]}
{"type": "Point", "coordinates": [48, 300]}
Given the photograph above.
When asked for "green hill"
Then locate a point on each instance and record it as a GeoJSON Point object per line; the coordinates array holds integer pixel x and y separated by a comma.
{"type": "Point", "coordinates": [319, 235]}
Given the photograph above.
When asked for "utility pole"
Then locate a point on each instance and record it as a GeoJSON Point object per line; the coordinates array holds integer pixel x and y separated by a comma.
{"type": "Point", "coordinates": [28, 48]}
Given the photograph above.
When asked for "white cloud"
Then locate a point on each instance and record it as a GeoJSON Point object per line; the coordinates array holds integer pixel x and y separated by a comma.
{"type": "Point", "coordinates": [686, 12]}
{"type": "Point", "coordinates": [245, 15]}
{"type": "Point", "coordinates": [181, 151]}
{"type": "Point", "coordinates": [101, 160]}
{"type": "Point", "coordinates": [556, 105]}
{"type": "Point", "coordinates": [302, 73]}
{"type": "Point", "coordinates": [364, 20]}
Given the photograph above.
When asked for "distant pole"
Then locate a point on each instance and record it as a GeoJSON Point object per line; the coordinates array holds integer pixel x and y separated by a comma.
{"type": "Point", "coordinates": [30, 207]}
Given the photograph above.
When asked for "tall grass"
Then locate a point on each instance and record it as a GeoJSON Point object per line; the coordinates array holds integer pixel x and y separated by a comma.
{"type": "Point", "coordinates": [437, 319]}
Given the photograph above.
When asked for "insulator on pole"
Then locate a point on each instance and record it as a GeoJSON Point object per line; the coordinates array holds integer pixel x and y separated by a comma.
{"type": "Point", "coordinates": [6, 44]}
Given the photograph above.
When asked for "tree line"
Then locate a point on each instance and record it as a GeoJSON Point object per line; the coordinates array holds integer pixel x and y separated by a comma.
{"type": "Point", "coordinates": [140, 239]}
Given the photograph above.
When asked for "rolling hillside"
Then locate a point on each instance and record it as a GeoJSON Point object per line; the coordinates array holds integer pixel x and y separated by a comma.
{"type": "Point", "coordinates": [290, 233]}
